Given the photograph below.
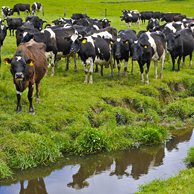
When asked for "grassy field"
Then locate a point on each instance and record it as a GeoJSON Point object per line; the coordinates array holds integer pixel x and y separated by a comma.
{"type": "Point", "coordinates": [79, 118]}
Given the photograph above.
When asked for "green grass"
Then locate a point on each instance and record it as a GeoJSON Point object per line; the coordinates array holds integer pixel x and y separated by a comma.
{"type": "Point", "coordinates": [79, 118]}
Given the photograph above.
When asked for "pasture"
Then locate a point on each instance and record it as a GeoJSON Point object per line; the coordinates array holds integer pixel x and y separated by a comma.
{"type": "Point", "coordinates": [79, 118]}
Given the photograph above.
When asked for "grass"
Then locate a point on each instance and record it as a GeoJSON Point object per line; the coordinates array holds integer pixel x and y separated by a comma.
{"type": "Point", "coordinates": [79, 118]}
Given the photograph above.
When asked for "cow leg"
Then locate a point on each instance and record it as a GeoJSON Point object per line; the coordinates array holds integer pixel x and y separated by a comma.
{"type": "Point", "coordinates": [125, 68]}
{"type": "Point", "coordinates": [119, 68]}
{"type": "Point", "coordinates": [190, 64]}
{"type": "Point", "coordinates": [179, 61]}
{"type": "Point", "coordinates": [111, 65]}
{"type": "Point", "coordinates": [183, 64]}
{"type": "Point", "coordinates": [10, 31]}
{"type": "Point", "coordinates": [173, 62]}
{"type": "Point", "coordinates": [30, 98]}
{"type": "Point", "coordinates": [101, 71]}
{"type": "Point", "coordinates": [86, 73]}
{"type": "Point", "coordinates": [132, 69]}
{"type": "Point", "coordinates": [19, 94]}
{"type": "Point", "coordinates": [138, 23]}
{"type": "Point", "coordinates": [162, 67]}
{"type": "Point", "coordinates": [37, 92]}
{"type": "Point", "coordinates": [96, 70]}
{"type": "Point", "coordinates": [147, 71]}
{"type": "Point", "coordinates": [156, 69]}
{"type": "Point", "coordinates": [75, 66]}
{"type": "Point", "coordinates": [91, 72]}
{"type": "Point", "coordinates": [53, 64]}
{"type": "Point", "coordinates": [141, 70]}
{"type": "Point", "coordinates": [67, 64]}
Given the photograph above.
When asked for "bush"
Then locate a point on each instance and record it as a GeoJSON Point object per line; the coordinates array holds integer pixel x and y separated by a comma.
{"type": "Point", "coordinates": [189, 160]}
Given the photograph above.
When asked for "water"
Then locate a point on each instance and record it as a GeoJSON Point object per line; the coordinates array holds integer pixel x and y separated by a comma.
{"type": "Point", "coordinates": [117, 172]}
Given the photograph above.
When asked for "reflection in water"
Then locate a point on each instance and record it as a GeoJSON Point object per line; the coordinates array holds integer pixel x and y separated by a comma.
{"type": "Point", "coordinates": [128, 165]}
{"type": "Point", "coordinates": [35, 186]}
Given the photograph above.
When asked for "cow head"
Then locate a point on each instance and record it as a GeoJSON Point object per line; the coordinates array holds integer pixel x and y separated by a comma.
{"type": "Point", "coordinates": [19, 69]}
{"type": "Point", "coordinates": [75, 41]}
{"type": "Point", "coordinates": [171, 38]}
{"type": "Point", "coordinates": [136, 50]}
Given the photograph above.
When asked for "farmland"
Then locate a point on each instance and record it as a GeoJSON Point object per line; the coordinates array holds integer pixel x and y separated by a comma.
{"type": "Point", "coordinates": [79, 118]}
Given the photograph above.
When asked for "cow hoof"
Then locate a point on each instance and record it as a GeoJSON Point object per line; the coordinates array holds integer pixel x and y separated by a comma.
{"type": "Point", "coordinates": [75, 70]}
{"type": "Point", "coordinates": [90, 82]}
{"type": "Point", "coordinates": [132, 73]}
{"type": "Point", "coordinates": [37, 100]}
{"type": "Point", "coordinates": [32, 113]}
{"type": "Point", "coordinates": [85, 82]}
{"type": "Point", "coordinates": [155, 77]}
{"type": "Point", "coordinates": [147, 82]}
{"type": "Point", "coordinates": [18, 111]}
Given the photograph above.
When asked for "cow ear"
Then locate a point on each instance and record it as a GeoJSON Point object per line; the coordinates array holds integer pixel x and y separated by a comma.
{"type": "Point", "coordinates": [30, 62]}
{"type": "Point", "coordinates": [7, 61]}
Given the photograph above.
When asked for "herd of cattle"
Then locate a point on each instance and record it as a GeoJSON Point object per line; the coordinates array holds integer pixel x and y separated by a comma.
{"type": "Point", "coordinates": [95, 42]}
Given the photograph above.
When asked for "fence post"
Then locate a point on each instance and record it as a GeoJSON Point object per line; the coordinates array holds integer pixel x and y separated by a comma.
{"type": "Point", "coordinates": [101, 12]}
{"type": "Point", "coordinates": [105, 12]}
{"type": "Point", "coordinates": [64, 11]}
{"type": "Point", "coordinates": [43, 11]}
{"type": "Point", "coordinates": [86, 11]}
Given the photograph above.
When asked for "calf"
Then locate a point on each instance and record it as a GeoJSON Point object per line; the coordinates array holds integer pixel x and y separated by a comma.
{"type": "Point", "coordinates": [36, 7]}
{"type": "Point", "coordinates": [20, 7]}
{"type": "Point", "coordinates": [152, 23]}
{"type": "Point", "coordinates": [150, 46]}
{"type": "Point", "coordinates": [121, 49]}
{"type": "Point", "coordinates": [28, 67]}
{"type": "Point", "coordinates": [3, 34]}
{"type": "Point", "coordinates": [5, 10]}
{"type": "Point", "coordinates": [180, 45]}
{"type": "Point", "coordinates": [92, 50]}
{"type": "Point", "coordinates": [13, 24]}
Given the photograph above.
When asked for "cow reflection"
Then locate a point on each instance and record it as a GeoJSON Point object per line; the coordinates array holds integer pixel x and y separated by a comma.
{"type": "Point", "coordinates": [34, 186]}
{"type": "Point", "coordinates": [140, 162]}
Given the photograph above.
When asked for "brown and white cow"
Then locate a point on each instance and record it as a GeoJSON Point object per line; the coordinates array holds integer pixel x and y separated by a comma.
{"type": "Point", "coordinates": [28, 67]}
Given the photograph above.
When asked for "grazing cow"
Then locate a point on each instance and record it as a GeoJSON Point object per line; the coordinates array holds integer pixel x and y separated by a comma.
{"type": "Point", "coordinates": [36, 7]}
{"type": "Point", "coordinates": [180, 45]}
{"type": "Point", "coordinates": [152, 23]}
{"type": "Point", "coordinates": [121, 49]}
{"type": "Point", "coordinates": [5, 10]}
{"type": "Point", "coordinates": [28, 67]}
{"type": "Point", "coordinates": [20, 7]}
{"type": "Point", "coordinates": [14, 23]}
{"type": "Point", "coordinates": [168, 17]}
{"type": "Point", "coordinates": [36, 21]}
{"type": "Point", "coordinates": [146, 15]}
{"type": "Point", "coordinates": [22, 31]}
{"type": "Point", "coordinates": [149, 46]}
{"type": "Point", "coordinates": [131, 18]}
{"type": "Point", "coordinates": [3, 34]}
{"type": "Point", "coordinates": [92, 50]}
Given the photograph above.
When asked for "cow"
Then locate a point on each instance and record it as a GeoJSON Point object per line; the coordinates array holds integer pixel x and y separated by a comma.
{"type": "Point", "coordinates": [131, 18]}
{"type": "Point", "coordinates": [36, 21]}
{"type": "Point", "coordinates": [92, 50]}
{"type": "Point", "coordinates": [173, 27]}
{"type": "Point", "coordinates": [28, 67]}
{"type": "Point", "coordinates": [168, 17]}
{"type": "Point", "coordinates": [63, 21]}
{"type": "Point", "coordinates": [36, 7]}
{"type": "Point", "coordinates": [151, 46]}
{"type": "Point", "coordinates": [177, 18]}
{"type": "Point", "coordinates": [146, 15]}
{"type": "Point", "coordinates": [20, 7]}
{"type": "Point", "coordinates": [121, 49]}
{"type": "Point", "coordinates": [77, 16]}
{"type": "Point", "coordinates": [105, 22]}
{"type": "Point", "coordinates": [22, 31]}
{"type": "Point", "coordinates": [180, 45]}
{"type": "Point", "coordinates": [157, 15]}
{"type": "Point", "coordinates": [152, 23]}
{"type": "Point", "coordinates": [3, 34]}
{"type": "Point", "coordinates": [5, 10]}
{"type": "Point", "coordinates": [13, 24]}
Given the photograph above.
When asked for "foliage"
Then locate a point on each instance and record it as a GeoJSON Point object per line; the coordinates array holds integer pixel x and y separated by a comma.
{"type": "Point", "coordinates": [189, 160]}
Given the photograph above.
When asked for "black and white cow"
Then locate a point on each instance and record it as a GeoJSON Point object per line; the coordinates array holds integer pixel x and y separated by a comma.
{"type": "Point", "coordinates": [131, 18]}
{"type": "Point", "coordinates": [5, 10]}
{"type": "Point", "coordinates": [146, 15]}
{"type": "Point", "coordinates": [20, 7]}
{"type": "Point", "coordinates": [3, 34]}
{"type": "Point", "coordinates": [105, 22]}
{"type": "Point", "coordinates": [92, 50]}
{"type": "Point", "coordinates": [173, 27]}
{"type": "Point", "coordinates": [180, 45]}
{"type": "Point", "coordinates": [121, 49]}
{"type": "Point", "coordinates": [36, 7]}
{"type": "Point", "coordinates": [149, 47]}
{"type": "Point", "coordinates": [152, 23]}
{"type": "Point", "coordinates": [168, 17]}
{"type": "Point", "coordinates": [13, 24]}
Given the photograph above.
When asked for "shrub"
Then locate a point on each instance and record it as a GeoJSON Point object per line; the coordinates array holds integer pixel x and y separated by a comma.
{"type": "Point", "coordinates": [189, 160]}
